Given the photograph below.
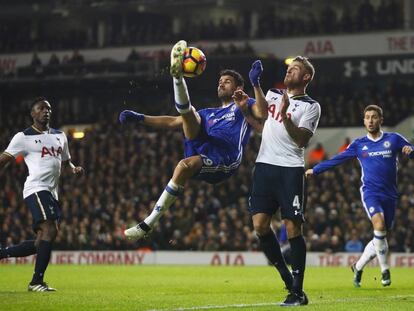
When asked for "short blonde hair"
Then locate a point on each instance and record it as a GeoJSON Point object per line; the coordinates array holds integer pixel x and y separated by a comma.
{"type": "Point", "coordinates": [307, 64]}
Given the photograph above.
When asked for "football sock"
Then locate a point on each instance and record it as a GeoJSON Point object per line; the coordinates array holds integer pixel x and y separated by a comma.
{"type": "Point", "coordinates": [271, 248]}
{"type": "Point", "coordinates": [167, 198]}
{"type": "Point", "coordinates": [368, 254]}
{"type": "Point", "coordinates": [44, 251]}
{"type": "Point", "coordinates": [298, 254]}
{"type": "Point", "coordinates": [381, 248]}
{"type": "Point", "coordinates": [23, 249]}
{"type": "Point", "coordinates": [181, 97]}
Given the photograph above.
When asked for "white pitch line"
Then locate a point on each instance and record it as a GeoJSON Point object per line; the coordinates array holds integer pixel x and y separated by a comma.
{"type": "Point", "coordinates": [211, 307]}
{"type": "Point", "coordinates": [242, 305]}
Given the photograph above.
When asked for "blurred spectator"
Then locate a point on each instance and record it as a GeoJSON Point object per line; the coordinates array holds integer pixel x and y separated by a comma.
{"type": "Point", "coordinates": [365, 18]}
{"type": "Point", "coordinates": [345, 145]}
{"type": "Point", "coordinates": [354, 245]}
{"type": "Point", "coordinates": [328, 19]}
{"type": "Point", "coordinates": [133, 56]}
{"type": "Point", "coordinates": [35, 62]}
{"type": "Point", "coordinates": [316, 155]}
{"type": "Point", "coordinates": [54, 60]}
{"type": "Point", "coordinates": [76, 58]}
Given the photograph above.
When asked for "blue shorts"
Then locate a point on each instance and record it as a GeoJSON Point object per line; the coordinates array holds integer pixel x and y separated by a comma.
{"type": "Point", "coordinates": [374, 204]}
{"type": "Point", "coordinates": [278, 186]}
{"type": "Point", "coordinates": [218, 165]}
{"type": "Point", "coordinates": [43, 207]}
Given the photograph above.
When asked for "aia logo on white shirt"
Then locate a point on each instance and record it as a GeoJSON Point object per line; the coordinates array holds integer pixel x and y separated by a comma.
{"type": "Point", "coordinates": [52, 151]}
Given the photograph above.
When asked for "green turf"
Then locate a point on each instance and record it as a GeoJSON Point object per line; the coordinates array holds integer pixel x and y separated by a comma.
{"type": "Point", "coordinates": [192, 288]}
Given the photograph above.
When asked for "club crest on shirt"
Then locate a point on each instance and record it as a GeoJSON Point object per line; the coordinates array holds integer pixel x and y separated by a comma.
{"type": "Point", "coordinates": [387, 144]}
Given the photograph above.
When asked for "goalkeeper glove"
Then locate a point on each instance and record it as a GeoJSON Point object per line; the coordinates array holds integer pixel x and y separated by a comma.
{"type": "Point", "coordinates": [255, 72]}
{"type": "Point", "coordinates": [129, 115]}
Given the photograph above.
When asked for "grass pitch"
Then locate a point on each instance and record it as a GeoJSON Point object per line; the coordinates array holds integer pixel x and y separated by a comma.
{"type": "Point", "coordinates": [181, 288]}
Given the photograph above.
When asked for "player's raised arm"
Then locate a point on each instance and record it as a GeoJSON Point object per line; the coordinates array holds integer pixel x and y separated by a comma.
{"type": "Point", "coordinates": [259, 109]}
{"type": "Point", "coordinates": [170, 122]}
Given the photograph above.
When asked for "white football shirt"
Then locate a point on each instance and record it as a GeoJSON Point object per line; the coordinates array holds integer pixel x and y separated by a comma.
{"type": "Point", "coordinates": [43, 153]}
{"type": "Point", "coordinates": [277, 147]}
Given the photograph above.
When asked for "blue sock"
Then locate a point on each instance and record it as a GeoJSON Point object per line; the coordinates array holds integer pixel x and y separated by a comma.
{"type": "Point", "coordinates": [298, 254]}
{"type": "Point", "coordinates": [23, 249]}
{"type": "Point", "coordinates": [271, 248]}
{"type": "Point", "coordinates": [44, 251]}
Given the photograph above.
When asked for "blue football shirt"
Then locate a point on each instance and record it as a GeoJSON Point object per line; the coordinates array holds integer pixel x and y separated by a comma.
{"type": "Point", "coordinates": [378, 160]}
{"type": "Point", "coordinates": [223, 129]}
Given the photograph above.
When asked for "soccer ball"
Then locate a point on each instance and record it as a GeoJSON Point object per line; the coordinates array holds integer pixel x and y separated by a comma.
{"type": "Point", "coordinates": [194, 62]}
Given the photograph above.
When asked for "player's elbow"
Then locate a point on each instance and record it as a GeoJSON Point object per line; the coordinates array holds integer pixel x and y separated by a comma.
{"type": "Point", "coordinates": [302, 143]}
{"type": "Point", "coordinates": [303, 138]}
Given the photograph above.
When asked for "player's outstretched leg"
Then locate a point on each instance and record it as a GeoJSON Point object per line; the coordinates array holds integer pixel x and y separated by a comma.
{"type": "Point", "coordinates": [167, 198]}
{"type": "Point", "coordinates": [177, 53]}
{"type": "Point", "coordinates": [183, 171]}
{"type": "Point", "coordinates": [357, 268]}
{"type": "Point", "coordinates": [23, 249]}
{"type": "Point", "coordinates": [357, 275]}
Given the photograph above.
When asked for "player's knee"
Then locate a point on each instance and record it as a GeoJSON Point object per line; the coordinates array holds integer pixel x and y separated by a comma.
{"type": "Point", "coordinates": [261, 229]}
{"type": "Point", "coordinates": [188, 165]}
{"type": "Point", "coordinates": [48, 231]}
{"type": "Point", "coordinates": [293, 228]}
{"type": "Point", "coordinates": [183, 165]}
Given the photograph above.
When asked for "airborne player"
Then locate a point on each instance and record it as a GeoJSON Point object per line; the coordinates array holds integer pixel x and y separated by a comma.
{"type": "Point", "coordinates": [214, 137]}
{"type": "Point", "coordinates": [43, 149]}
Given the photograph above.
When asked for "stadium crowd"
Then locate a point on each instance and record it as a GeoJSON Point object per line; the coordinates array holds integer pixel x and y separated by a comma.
{"type": "Point", "coordinates": [127, 167]}
{"type": "Point", "coordinates": [142, 28]}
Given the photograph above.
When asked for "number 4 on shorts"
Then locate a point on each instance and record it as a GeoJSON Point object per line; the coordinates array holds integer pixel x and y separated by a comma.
{"type": "Point", "coordinates": [296, 202]}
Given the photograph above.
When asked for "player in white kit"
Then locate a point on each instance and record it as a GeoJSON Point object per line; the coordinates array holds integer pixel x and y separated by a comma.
{"type": "Point", "coordinates": [43, 149]}
{"type": "Point", "coordinates": [278, 179]}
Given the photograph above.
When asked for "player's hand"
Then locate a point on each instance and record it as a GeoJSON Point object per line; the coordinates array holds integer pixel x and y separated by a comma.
{"type": "Point", "coordinates": [255, 72]}
{"type": "Point", "coordinates": [240, 98]}
{"type": "Point", "coordinates": [129, 115]}
{"type": "Point", "coordinates": [78, 170]}
{"type": "Point", "coordinates": [308, 173]}
{"type": "Point", "coordinates": [285, 105]}
{"type": "Point", "coordinates": [407, 150]}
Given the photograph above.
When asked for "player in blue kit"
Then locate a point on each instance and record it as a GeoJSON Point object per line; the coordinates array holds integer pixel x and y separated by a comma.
{"type": "Point", "coordinates": [214, 138]}
{"type": "Point", "coordinates": [377, 154]}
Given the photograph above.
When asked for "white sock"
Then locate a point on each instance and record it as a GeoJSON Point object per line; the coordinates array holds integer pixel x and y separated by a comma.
{"type": "Point", "coordinates": [368, 254]}
{"type": "Point", "coordinates": [381, 248]}
{"type": "Point", "coordinates": [181, 97]}
{"type": "Point", "coordinates": [167, 198]}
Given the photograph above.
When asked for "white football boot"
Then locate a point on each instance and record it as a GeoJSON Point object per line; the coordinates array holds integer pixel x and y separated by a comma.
{"type": "Point", "coordinates": [177, 53]}
{"type": "Point", "coordinates": [137, 232]}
